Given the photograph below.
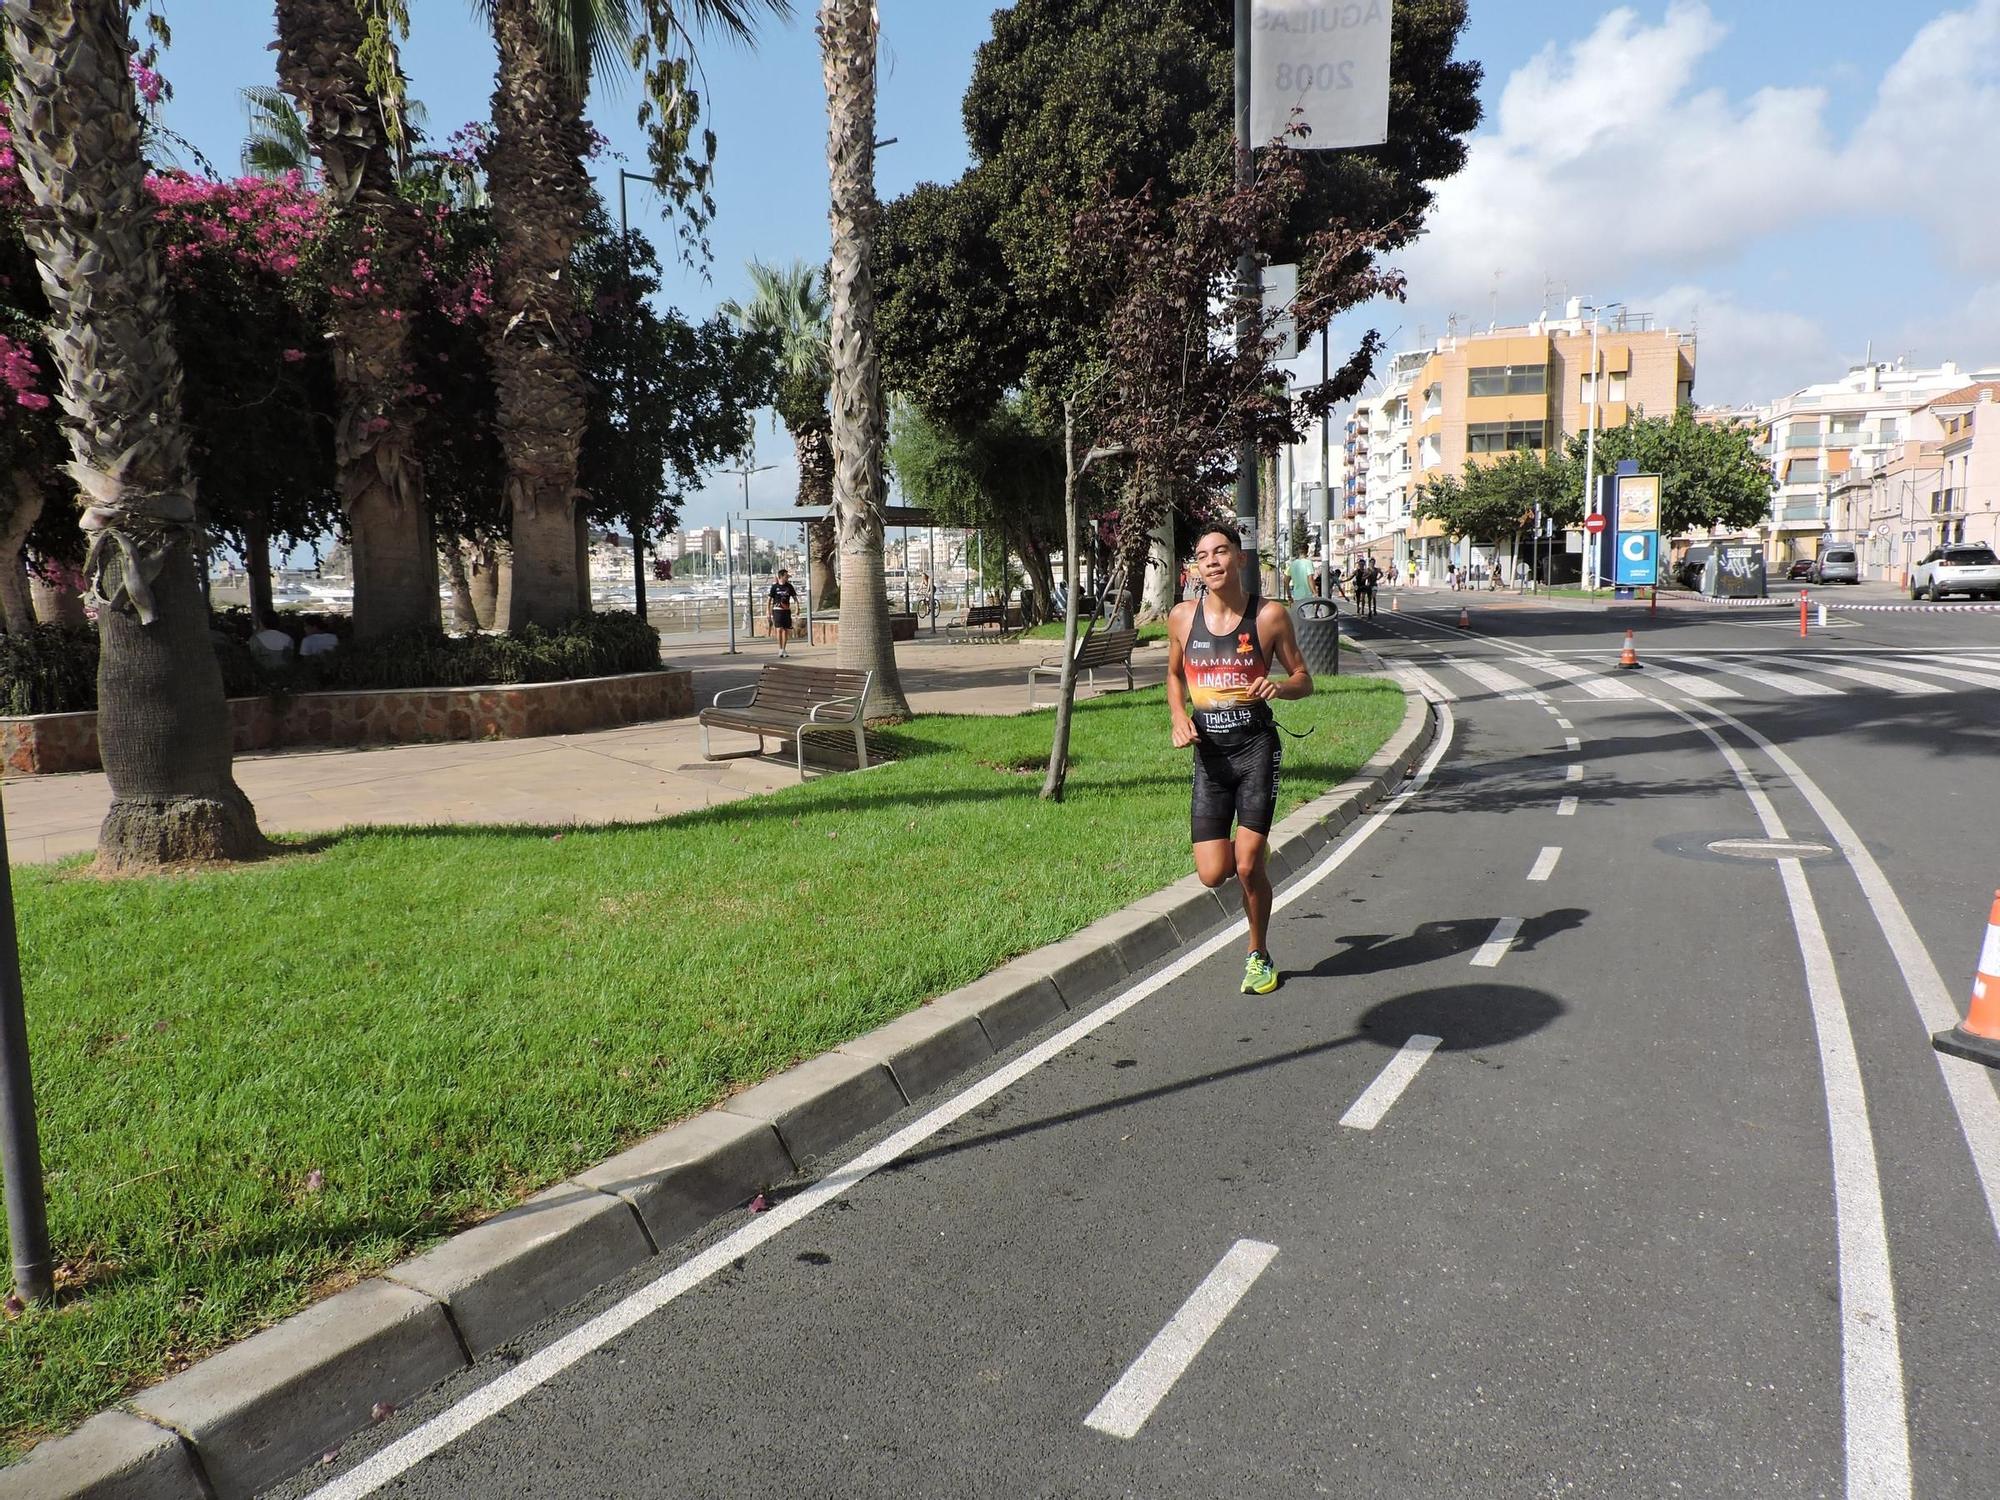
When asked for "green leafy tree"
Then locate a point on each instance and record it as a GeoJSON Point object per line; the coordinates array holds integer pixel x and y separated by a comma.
{"type": "Point", "coordinates": [1076, 101]}
{"type": "Point", "coordinates": [1710, 474]}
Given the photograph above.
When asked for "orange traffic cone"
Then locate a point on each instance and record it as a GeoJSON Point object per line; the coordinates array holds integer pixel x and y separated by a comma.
{"type": "Point", "coordinates": [1629, 657]}
{"type": "Point", "coordinates": [1395, 604]}
{"type": "Point", "coordinates": [1464, 618]}
{"type": "Point", "coordinates": [1978, 1039]}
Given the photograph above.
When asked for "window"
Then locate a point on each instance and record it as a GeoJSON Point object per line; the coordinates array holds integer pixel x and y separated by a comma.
{"type": "Point", "coordinates": [1614, 389]}
{"type": "Point", "coordinates": [1433, 452]}
{"type": "Point", "coordinates": [1433, 400]}
{"type": "Point", "coordinates": [1507, 380]}
{"type": "Point", "coordinates": [1503, 437]}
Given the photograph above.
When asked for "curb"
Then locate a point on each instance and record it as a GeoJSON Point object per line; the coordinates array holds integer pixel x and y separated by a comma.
{"type": "Point", "coordinates": [274, 1403]}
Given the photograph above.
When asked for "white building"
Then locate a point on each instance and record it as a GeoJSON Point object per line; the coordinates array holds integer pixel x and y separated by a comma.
{"type": "Point", "coordinates": [1820, 435]}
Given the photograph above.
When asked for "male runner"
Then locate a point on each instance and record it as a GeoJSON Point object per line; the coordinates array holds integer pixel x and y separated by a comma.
{"type": "Point", "coordinates": [782, 596]}
{"type": "Point", "coordinates": [1220, 647]}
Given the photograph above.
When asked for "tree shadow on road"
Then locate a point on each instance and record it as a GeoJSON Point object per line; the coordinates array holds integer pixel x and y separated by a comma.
{"type": "Point", "coordinates": [1378, 952]}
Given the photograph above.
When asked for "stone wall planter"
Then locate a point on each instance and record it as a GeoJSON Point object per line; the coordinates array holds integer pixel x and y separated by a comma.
{"type": "Point", "coordinates": [826, 628]}
{"type": "Point", "coordinates": [43, 744]}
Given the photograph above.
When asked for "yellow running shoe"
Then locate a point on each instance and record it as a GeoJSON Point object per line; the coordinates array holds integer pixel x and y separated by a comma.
{"type": "Point", "coordinates": [1259, 975]}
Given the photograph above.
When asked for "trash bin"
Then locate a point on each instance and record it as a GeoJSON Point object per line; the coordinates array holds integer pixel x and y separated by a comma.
{"type": "Point", "coordinates": [1316, 623]}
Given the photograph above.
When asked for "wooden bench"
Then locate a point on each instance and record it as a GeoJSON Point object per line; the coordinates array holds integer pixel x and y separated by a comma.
{"type": "Point", "coordinates": [997, 615]}
{"type": "Point", "coordinates": [1110, 649]}
{"type": "Point", "coordinates": [788, 702]}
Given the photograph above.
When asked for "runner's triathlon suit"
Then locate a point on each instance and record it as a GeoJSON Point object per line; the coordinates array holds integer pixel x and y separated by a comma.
{"type": "Point", "coordinates": [1236, 744]}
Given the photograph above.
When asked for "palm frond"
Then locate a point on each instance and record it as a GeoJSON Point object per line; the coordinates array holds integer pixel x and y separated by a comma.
{"type": "Point", "coordinates": [277, 142]}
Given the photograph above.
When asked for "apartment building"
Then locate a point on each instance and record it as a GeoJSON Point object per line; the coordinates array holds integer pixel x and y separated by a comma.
{"type": "Point", "coordinates": [1477, 396]}
{"type": "Point", "coordinates": [1876, 422]}
{"type": "Point", "coordinates": [1939, 483]}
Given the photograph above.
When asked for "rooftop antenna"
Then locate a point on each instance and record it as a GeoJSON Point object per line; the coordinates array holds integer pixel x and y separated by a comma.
{"type": "Point", "coordinates": [1548, 285]}
{"type": "Point", "coordinates": [1493, 304]}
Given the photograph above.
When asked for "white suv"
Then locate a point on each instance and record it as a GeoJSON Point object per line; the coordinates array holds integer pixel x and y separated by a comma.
{"type": "Point", "coordinates": [1964, 568]}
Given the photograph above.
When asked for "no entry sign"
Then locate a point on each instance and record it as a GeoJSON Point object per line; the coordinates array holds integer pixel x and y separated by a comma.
{"type": "Point", "coordinates": [1593, 524]}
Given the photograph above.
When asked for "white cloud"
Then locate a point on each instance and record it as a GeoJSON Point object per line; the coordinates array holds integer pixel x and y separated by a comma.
{"type": "Point", "coordinates": [1607, 165]}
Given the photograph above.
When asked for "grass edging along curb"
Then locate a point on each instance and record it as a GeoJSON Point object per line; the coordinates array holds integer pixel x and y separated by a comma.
{"type": "Point", "coordinates": [266, 1407]}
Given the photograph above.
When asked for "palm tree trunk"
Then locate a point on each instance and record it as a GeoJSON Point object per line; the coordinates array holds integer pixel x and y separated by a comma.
{"type": "Point", "coordinates": [539, 193]}
{"type": "Point", "coordinates": [162, 726]}
{"type": "Point", "coordinates": [55, 599]}
{"type": "Point", "coordinates": [847, 35]}
{"type": "Point", "coordinates": [464, 608]}
{"type": "Point", "coordinates": [489, 568]}
{"type": "Point", "coordinates": [16, 610]}
{"type": "Point", "coordinates": [814, 444]}
{"type": "Point", "coordinates": [379, 477]}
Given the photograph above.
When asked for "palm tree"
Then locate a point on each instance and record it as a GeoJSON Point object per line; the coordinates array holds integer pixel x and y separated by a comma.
{"type": "Point", "coordinates": [277, 144]}
{"type": "Point", "coordinates": [540, 194]}
{"type": "Point", "coordinates": [847, 35]}
{"type": "Point", "coordinates": [788, 306]}
{"type": "Point", "coordinates": [353, 123]}
{"type": "Point", "coordinates": [162, 725]}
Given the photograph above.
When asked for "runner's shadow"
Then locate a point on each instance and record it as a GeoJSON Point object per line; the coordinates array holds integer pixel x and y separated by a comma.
{"type": "Point", "coordinates": [1468, 1017]}
{"type": "Point", "coordinates": [1379, 952]}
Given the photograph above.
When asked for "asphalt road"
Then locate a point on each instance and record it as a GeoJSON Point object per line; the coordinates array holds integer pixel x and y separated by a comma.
{"type": "Point", "coordinates": [1678, 1201]}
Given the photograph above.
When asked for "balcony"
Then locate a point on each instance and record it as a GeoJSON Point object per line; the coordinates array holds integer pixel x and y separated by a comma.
{"type": "Point", "coordinates": [1795, 440]}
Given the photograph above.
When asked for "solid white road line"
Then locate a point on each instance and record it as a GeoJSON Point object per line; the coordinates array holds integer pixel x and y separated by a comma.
{"type": "Point", "coordinates": [1573, 772]}
{"type": "Point", "coordinates": [1566, 808]}
{"type": "Point", "coordinates": [1366, 1112]}
{"type": "Point", "coordinates": [1143, 1386]}
{"type": "Point", "coordinates": [550, 1361]}
{"type": "Point", "coordinates": [1877, 1424]}
{"type": "Point", "coordinates": [1495, 947]}
{"type": "Point", "coordinates": [1545, 862]}
{"type": "Point", "coordinates": [1791, 687]}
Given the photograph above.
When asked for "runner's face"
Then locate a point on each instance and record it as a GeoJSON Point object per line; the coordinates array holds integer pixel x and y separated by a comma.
{"type": "Point", "coordinates": [1215, 560]}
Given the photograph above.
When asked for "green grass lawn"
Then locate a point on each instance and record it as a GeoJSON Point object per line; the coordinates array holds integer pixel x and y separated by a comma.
{"type": "Point", "coordinates": [257, 1085]}
{"type": "Point", "coordinates": [1151, 630]}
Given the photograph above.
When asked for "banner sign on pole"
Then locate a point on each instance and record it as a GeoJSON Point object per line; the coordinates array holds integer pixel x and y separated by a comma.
{"type": "Point", "coordinates": [1328, 59]}
{"type": "Point", "coordinates": [1638, 510]}
{"type": "Point", "coordinates": [1281, 290]}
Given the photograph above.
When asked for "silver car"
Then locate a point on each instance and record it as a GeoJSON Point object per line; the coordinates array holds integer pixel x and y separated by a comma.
{"type": "Point", "coordinates": [1837, 565]}
{"type": "Point", "coordinates": [1963, 568]}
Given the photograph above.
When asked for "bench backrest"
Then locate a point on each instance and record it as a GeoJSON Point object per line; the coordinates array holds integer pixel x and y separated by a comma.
{"type": "Point", "coordinates": [986, 614]}
{"type": "Point", "coordinates": [1103, 646]}
{"type": "Point", "coordinates": [790, 689]}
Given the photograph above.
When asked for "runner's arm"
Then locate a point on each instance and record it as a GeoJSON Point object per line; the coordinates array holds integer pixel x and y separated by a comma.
{"type": "Point", "coordinates": [1177, 694]}
{"type": "Point", "coordinates": [1274, 623]}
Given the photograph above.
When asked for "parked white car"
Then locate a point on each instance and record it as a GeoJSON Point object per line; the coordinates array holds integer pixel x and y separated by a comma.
{"type": "Point", "coordinates": [1966, 568]}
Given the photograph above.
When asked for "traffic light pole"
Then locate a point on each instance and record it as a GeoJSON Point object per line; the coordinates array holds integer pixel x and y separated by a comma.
{"type": "Point", "coordinates": [1249, 290]}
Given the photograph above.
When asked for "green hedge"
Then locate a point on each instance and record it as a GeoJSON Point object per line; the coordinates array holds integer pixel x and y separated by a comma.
{"type": "Point", "coordinates": [53, 669]}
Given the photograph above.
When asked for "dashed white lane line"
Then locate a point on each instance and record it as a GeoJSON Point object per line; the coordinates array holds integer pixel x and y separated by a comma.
{"type": "Point", "coordinates": [1573, 772]}
{"type": "Point", "coordinates": [1366, 1112]}
{"type": "Point", "coordinates": [1144, 1385]}
{"type": "Point", "coordinates": [1545, 862]}
{"type": "Point", "coordinates": [1571, 742]}
{"type": "Point", "coordinates": [1495, 947]}
{"type": "Point", "coordinates": [1566, 808]}
{"type": "Point", "coordinates": [1565, 723]}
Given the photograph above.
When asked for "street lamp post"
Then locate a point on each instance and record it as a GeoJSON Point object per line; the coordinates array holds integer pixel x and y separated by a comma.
{"type": "Point", "coordinates": [1249, 292]}
{"type": "Point", "coordinates": [625, 383]}
{"type": "Point", "coordinates": [744, 471]}
{"type": "Point", "coordinates": [1590, 550]}
{"type": "Point", "coordinates": [20, 1143]}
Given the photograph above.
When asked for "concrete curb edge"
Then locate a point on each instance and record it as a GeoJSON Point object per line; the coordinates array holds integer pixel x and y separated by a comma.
{"type": "Point", "coordinates": [275, 1402]}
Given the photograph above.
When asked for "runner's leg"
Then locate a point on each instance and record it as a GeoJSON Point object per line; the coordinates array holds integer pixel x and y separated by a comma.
{"type": "Point", "coordinates": [1254, 875]}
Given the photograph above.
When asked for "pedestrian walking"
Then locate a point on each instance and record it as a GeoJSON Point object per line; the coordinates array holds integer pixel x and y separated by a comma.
{"type": "Point", "coordinates": [1220, 651]}
{"type": "Point", "coordinates": [1334, 586]}
{"type": "Point", "coordinates": [780, 598]}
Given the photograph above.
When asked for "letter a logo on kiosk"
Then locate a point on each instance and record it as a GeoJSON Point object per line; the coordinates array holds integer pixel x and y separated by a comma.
{"type": "Point", "coordinates": [1328, 59]}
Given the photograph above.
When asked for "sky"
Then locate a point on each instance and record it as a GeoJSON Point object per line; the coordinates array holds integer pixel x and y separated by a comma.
{"type": "Point", "coordinates": [1798, 181]}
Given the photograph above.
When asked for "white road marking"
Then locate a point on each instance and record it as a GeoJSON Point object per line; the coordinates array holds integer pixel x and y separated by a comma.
{"type": "Point", "coordinates": [1143, 1386]}
{"type": "Point", "coordinates": [1791, 687]}
{"type": "Point", "coordinates": [1571, 742]}
{"type": "Point", "coordinates": [1573, 772]}
{"type": "Point", "coordinates": [1877, 1425]}
{"type": "Point", "coordinates": [1564, 722]}
{"type": "Point", "coordinates": [1545, 862]}
{"type": "Point", "coordinates": [538, 1369]}
{"type": "Point", "coordinates": [1706, 689]}
{"type": "Point", "coordinates": [1366, 1112]}
{"type": "Point", "coordinates": [1495, 947]}
{"type": "Point", "coordinates": [1908, 687]}
{"type": "Point", "coordinates": [1591, 681]}
{"type": "Point", "coordinates": [1950, 668]}
{"type": "Point", "coordinates": [1428, 685]}
{"type": "Point", "coordinates": [1566, 808]}
{"type": "Point", "coordinates": [1488, 677]}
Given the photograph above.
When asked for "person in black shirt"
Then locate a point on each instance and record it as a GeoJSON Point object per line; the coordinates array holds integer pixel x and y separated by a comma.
{"type": "Point", "coordinates": [782, 596]}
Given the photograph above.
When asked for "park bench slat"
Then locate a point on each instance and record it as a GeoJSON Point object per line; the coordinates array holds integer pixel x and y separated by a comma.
{"type": "Point", "coordinates": [1101, 648]}
{"type": "Point", "coordinates": [782, 703]}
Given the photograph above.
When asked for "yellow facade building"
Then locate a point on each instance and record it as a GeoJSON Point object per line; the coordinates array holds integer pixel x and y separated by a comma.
{"type": "Point", "coordinates": [1480, 395]}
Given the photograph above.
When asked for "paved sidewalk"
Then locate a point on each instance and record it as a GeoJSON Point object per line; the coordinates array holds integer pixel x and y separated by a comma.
{"type": "Point", "coordinates": [632, 774]}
